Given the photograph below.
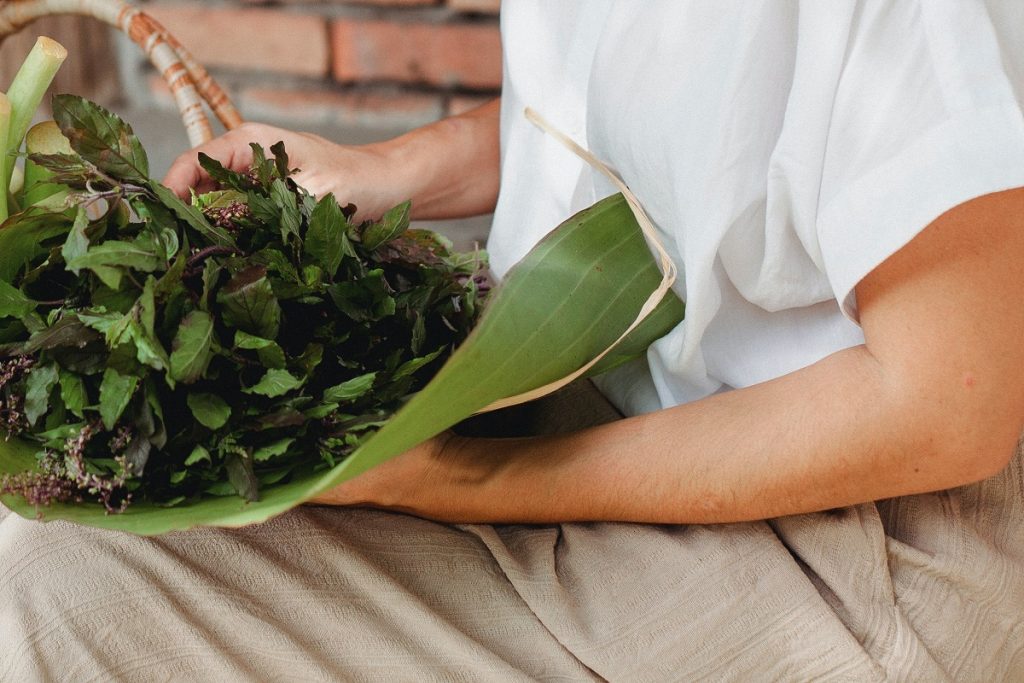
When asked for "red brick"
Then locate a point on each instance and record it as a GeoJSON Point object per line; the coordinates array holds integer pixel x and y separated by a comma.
{"type": "Point", "coordinates": [303, 107]}
{"type": "Point", "coordinates": [479, 6]}
{"type": "Point", "coordinates": [378, 3]}
{"type": "Point", "coordinates": [466, 55]}
{"type": "Point", "coordinates": [254, 39]}
{"type": "Point", "coordinates": [460, 104]}
{"type": "Point", "coordinates": [388, 3]}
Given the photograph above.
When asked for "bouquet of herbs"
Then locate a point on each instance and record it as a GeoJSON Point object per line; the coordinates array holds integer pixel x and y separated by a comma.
{"type": "Point", "coordinates": [219, 361]}
{"type": "Point", "coordinates": [162, 350]}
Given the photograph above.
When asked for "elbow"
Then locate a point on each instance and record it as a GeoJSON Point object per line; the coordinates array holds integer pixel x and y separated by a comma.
{"type": "Point", "coordinates": [991, 456]}
{"type": "Point", "coordinates": [968, 443]}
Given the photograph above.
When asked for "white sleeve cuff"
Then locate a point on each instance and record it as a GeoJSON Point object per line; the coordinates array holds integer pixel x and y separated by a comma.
{"type": "Point", "coordinates": [974, 154]}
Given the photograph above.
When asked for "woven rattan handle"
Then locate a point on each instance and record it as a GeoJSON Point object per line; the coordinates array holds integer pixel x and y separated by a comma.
{"type": "Point", "coordinates": [188, 81]}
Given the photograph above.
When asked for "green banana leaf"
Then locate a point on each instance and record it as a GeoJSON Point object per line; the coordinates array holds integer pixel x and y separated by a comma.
{"type": "Point", "coordinates": [565, 302]}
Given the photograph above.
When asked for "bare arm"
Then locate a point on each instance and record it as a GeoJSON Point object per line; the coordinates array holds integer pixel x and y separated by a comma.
{"type": "Point", "coordinates": [449, 168]}
{"type": "Point", "coordinates": [932, 400]}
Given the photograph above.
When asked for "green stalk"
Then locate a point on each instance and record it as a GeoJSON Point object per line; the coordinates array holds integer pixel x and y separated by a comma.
{"type": "Point", "coordinates": [42, 138]}
{"type": "Point", "coordinates": [5, 125]}
{"type": "Point", "coordinates": [26, 93]}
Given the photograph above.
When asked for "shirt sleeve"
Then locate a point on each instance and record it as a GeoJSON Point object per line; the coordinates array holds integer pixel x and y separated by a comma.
{"type": "Point", "coordinates": [926, 116]}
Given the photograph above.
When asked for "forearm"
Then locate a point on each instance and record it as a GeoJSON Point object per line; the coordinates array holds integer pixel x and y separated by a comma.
{"type": "Point", "coordinates": [452, 165]}
{"type": "Point", "coordinates": [826, 436]}
{"type": "Point", "coordinates": [933, 399]}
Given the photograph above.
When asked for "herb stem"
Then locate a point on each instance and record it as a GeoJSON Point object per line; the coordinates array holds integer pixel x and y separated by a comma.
{"type": "Point", "coordinates": [128, 274]}
{"type": "Point", "coordinates": [5, 125]}
{"type": "Point", "coordinates": [203, 254]}
{"type": "Point", "coordinates": [26, 92]}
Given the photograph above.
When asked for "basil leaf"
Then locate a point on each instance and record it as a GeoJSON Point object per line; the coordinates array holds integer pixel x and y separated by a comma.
{"type": "Point", "coordinates": [210, 410]}
{"type": "Point", "coordinates": [269, 352]}
{"type": "Point", "coordinates": [77, 243]}
{"type": "Point", "coordinates": [249, 303]}
{"type": "Point", "coordinates": [280, 159]}
{"type": "Point", "coordinates": [390, 226]}
{"type": "Point", "coordinates": [21, 238]}
{"type": "Point", "coordinates": [350, 390]}
{"type": "Point", "coordinates": [137, 455]}
{"type": "Point", "coordinates": [199, 454]}
{"type": "Point", "coordinates": [38, 385]}
{"type": "Point", "coordinates": [275, 383]}
{"type": "Point", "coordinates": [191, 215]}
{"type": "Point", "coordinates": [222, 176]}
{"type": "Point", "coordinates": [327, 237]}
{"type": "Point", "coordinates": [242, 476]}
{"type": "Point", "coordinates": [70, 170]}
{"type": "Point", "coordinates": [191, 351]}
{"type": "Point", "coordinates": [101, 137]}
{"type": "Point", "coordinates": [140, 254]}
{"type": "Point", "coordinates": [272, 450]}
{"type": "Point", "coordinates": [291, 219]}
{"type": "Point", "coordinates": [411, 366]}
{"type": "Point", "coordinates": [73, 393]}
{"type": "Point", "coordinates": [13, 303]}
{"type": "Point", "coordinates": [116, 392]}
{"type": "Point", "coordinates": [365, 300]}
{"type": "Point", "coordinates": [66, 332]}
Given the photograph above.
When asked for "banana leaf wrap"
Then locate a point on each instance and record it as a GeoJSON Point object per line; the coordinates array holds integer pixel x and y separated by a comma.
{"type": "Point", "coordinates": [563, 304]}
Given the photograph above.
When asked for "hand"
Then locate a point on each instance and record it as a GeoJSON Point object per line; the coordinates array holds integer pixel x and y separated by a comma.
{"type": "Point", "coordinates": [362, 175]}
{"type": "Point", "coordinates": [449, 169]}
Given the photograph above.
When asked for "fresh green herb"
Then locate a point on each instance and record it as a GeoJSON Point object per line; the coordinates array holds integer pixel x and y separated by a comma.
{"type": "Point", "coordinates": [164, 350]}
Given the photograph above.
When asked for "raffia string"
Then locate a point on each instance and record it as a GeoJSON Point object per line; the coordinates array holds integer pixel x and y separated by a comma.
{"type": "Point", "coordinates": [667, 267]}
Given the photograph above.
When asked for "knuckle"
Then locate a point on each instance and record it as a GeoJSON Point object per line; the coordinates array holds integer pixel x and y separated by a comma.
{"type": "Point", "coordinates": [249, 128]}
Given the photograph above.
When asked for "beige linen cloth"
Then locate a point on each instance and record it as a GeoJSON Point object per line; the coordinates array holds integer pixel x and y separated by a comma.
{"type": "Point", "coordinates": [922, 588]}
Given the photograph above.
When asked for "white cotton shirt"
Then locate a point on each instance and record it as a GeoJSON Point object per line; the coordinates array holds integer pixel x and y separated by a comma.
{"type": "Point", "coordinates": [783, 149]}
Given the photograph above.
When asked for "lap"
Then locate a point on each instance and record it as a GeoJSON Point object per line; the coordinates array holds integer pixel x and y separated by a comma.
{"type": "Point", "coordinates": [922, 587]}
{"type": "Point", "coordinates": [350, 594]}
{"type": "Point", "coordinates": [313, 595]}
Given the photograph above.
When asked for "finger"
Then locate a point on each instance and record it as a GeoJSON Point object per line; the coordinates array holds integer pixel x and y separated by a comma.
{"type": "Point", "coordinates": [186, 173]}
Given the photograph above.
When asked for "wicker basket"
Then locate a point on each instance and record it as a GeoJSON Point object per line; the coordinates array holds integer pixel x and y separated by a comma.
{"type": "Point", "coordinates": [188, 81]}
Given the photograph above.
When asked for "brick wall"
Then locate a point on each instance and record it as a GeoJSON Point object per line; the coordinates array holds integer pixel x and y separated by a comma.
{"type": "Point", "coordinates": [349, 68]}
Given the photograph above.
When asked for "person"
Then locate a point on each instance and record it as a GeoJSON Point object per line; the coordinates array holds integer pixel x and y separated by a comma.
{"type": "Point", "coordinates": [841, 186]}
